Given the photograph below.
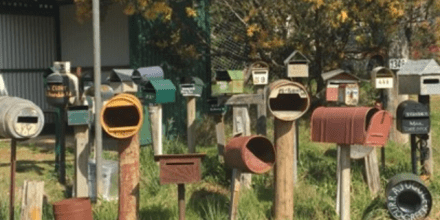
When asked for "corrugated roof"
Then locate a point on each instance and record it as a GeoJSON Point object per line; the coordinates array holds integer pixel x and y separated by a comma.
{"type": "Point", "coordinates": [123, 75]}
{"type": "Point", "coordinates": [420, 67]}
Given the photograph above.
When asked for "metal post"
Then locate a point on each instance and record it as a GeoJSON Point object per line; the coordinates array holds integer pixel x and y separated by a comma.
{"type": "Point", "coordinates": [62, 168]}
{"type": "Point", "coordinates": [181, 198]}
{"type": "Point", "coordinates": [426, 151]}
{"type": "Point", "coordinates": [414, 153]}
{"type": "Point", "coordinates": [57, 138]}
{"type": "Point", "coordinates": [98, 104]}
{"type": "Point", "coordinates": [12, 186]}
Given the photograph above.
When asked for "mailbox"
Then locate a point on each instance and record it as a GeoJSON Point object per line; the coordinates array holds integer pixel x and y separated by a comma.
{"type": "Point", "coordinates": [190, 86]}
{"type": "Point", "coordinates": [351, 125]}
{"type": "Point", "coordinates": [122, 116]}
{"type": "Point", "coordinates": [3, 90]}
{"type": "Point", "coordinates": [412, 118]}
{"type": "Point", "coordinates": [214, 107]}
{"type": "Point", "coordinates": [144, 74]}
{"type": "Point", "coordinates": [79, 115]}
{"type": "Point", "coordinates": [332, 92]}
{"type": "Point", "coordinates": [382, 78]}
{"type": "Point", "coordinates": [260, 73]}
{"type": "Point", "coordinates": [179, 168]}
{"type": "Point", "coordinates": [57, 90]}
{"type": "Point", "coordinates": [121, 82]}
{"type": "Point", "coordinates": [419, 77]}
{"type": "Point", "coordinates": [252, 154]}
{"type": "Point", "coordinates": [288, 100]}
{"type": "Point", "coordinates": [228, 82]}
{"type": "Point", "coordinates": [348, 94]}
{"type": "Point", "coordinates": [20, 119]}
{"type": "Point", "coordinates": [159, 91]}
{"type": "Point", "coordinates": [342, 87]}
{"type": "Point", "coordinates": [297, 65]}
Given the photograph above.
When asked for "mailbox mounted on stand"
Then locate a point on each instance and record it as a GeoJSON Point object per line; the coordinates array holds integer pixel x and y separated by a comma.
{"type": "Point", "coordinates": [382, 78]}
{"type": "Point", "coordinates": [412, 118]}
{"type": "Point", "coordinates": [297, 65]}
{"type": "Point", "coordinates": [79, 115]}
{"type": "Point", "coordinates": [121, 82]}
{"type": "Point", "coordinates": [228, 82]}
{"type": "Point", "coordinates": [419, 77]}
{"type": "Point", "coordinates": [190, 86]}
{"type": "Point", "coordinates": [351, 125]}
{"type": "Point", "coordinates": [283, 92]}
{"type": "Point", "coordinates": [342, 87]}
{"type": "Point", "coordinates": [260, 73]}
{"type": "Point", "coordinates": [159, 91]}
{"type": "Point", "coordinates": [180, 168]}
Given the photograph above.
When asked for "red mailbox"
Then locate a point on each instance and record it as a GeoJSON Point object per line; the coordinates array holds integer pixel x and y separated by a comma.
{"type": "Point", "coordinates": [180, 168]}
{"type": "Point", "coordinates": [351, 125]}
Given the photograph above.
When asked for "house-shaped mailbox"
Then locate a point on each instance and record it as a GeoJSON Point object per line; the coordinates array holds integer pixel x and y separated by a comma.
{"type": "Point", "coordinates": [419, 77]}
{"type": "Point", "coordinates": [159, 91]}
{"type": "Point", "coordinates": [297, 65]}
{"type": "Point", "coordinates": [228, 82]}
{"type": "Point", "coordinates": [342, 87]}
{"type": "Point", "coordinates": [179, 168]}
{"type": "Point", "coordinates": [382, 78]}
{"type": "Point", "coordinates": [121, 82]}
{"type": "Point", "coordinates": [190, 86]}
{"type": "Point", "coordinates": [144, 74]}
{"type": "Point", "coordinates": [351, 125]}
{"type": "Point", "coordinates": [260, 73]}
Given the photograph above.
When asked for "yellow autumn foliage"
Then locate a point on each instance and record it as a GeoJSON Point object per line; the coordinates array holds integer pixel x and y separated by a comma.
{"type": "Point", "coordinates": [191, 12]}
{"type": "Point", "coordinates": [252, 29]}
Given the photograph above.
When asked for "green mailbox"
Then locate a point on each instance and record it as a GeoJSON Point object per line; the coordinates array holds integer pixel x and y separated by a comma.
{"type": "Point", "coordinates": [190, 86]}
{"type": "Point", "coordinates": [159, 91]}
{"type": "Point", "coordinates": [78, 115]}
{"type": "Point", "coordinates": [228, 82]}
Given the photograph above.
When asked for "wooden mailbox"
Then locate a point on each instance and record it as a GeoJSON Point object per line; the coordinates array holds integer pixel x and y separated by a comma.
{"type": "Point", "coordinates": [260, 73]}
{"type": "Point", "coordinates": [342, 87]}
{"type": "Point", "coordinates": [412, 118]}
{"type": "Point", "coordinates": [190, 86]}
{"type": "Point", "coordinates": [121, 82]}
{"type": "Point", "coordinates": [382, 78]}
{"type": "Point", "coordinates": [419, 77]}
{"type": "Point", "coordinates": [297, 65]}
{"type": "Point", "coordinates": [180, 168]}
{"type": "Point", "coordinates": [228, 82]}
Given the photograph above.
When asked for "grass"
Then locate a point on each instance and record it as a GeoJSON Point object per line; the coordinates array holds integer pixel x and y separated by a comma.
{"type": "Point", "coordinates": [314, 196]}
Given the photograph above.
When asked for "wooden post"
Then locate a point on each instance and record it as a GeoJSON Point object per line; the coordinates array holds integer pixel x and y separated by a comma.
{"type": "Point", "coordinates": [81, 160]}
{"type": "Point", "coordinates": [191, 116]}
{"type": "Point", "coordinates": [129, 178]}
{"type": "Point", "coordinates": [220, 134]}
{"type": "Point", "coordinates": [261, 114]}
{"type": "Point", "coordinates": [372, 172]}
{"type": "Point", "coordinates": [428, 164]}
{"type": "Point", "coordinates": [344, 161]}
{"type": "Point", "coordinates": [393, 99]}
{"type": "Point", "coordinates": [32, 200]}
{"type": "Point", "coordinates": [181, 200]}
{"type": "Point", "coordinates": [156, 127]}
{"type": "Point", "coordinates": [284, 141]}
{"type": "Point", "coordinates": [235, 194]}
{"type": "Point", "coordinates": [295, 152]}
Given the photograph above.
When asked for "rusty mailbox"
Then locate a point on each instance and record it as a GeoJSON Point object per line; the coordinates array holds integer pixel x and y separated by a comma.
{"type": "Point", "coordinates": [180, 168]}
{"type": "Point", "coordinates": [412, 118]}
{"type": "Point", "coordinates": [252, 154]}
{"type": "Point", "coordinates": [288, 100]}
{"type": "Point", "coordinates": [351, 125]}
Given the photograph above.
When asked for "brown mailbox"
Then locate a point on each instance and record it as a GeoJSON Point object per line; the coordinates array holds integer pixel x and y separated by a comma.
{"type": "Point", "coordinates": [253, 154]}
{"type": "Point", "coordinates": [180, 168]}
{"type": "Point", "coordinates": [351, 125]}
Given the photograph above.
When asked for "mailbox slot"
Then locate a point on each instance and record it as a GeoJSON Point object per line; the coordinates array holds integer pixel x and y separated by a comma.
{"type": "Point", "coordinates": [121, 116]}
{"type": "Point", "coordinates": [288, 100]}
{"type": "Point", "coordinates": [419, 77]}
{"type": "Point", "coordinates": [430, 85]}
{"type": "Point", "coordinates": [412, 118]}
{"type": "Point", "coordinates": [179, 168]}
{"type": "Point", "coordinates": [27, 119]}
{"type": "Point", "coordinates": [351, 125]}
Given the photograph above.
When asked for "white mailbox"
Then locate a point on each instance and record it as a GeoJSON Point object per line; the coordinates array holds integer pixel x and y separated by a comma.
{"type": "Point", "coordinates": [3, 90]}
{"type": "Point", "coordinates": [382, 78]}
{"type": "Point", "coordinates": [349, 94]}
{"type": "Point", "coordinates": [419, 77]}
{"type": "Point", "coordinates": [297, 65]}
{"type": "Point", "coordinates": [260, 73]}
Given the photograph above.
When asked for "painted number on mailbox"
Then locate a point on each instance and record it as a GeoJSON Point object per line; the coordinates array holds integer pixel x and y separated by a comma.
{"type": "Point", "coordinates": [396, 64]}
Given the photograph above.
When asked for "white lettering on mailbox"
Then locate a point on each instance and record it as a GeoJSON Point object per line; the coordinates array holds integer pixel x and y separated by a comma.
{"type": "Point", "coordinates": [416, 114]}
{"type": "Point", "coordinates": [188, 90]}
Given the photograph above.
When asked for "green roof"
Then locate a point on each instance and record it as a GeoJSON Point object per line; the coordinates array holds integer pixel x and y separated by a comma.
{"type": "Point", "coordinates": [235, 74]}
{"type": "Point", "coordinates": [163, 84]}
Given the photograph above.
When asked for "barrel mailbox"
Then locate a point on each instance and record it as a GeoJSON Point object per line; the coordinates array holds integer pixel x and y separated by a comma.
{"type": "Point", "coordinates": [144, 74]}
{"type": "Point", "coordinates": [408, 197]}
{"type": "Point", "coordinates": [351, 125]}
{"type": "Point", "coordinates": [287, 100]}
{"type": "Point", "coordinates": [252, 154]}
{"type": "Point", "coordinates": [180, 168]}
{"type": "Point", "coordinates": [122, 116]}
{"type": "Point", "coordinates": [412, 118]}
{"type": "Point", "coordinates": [20, 118]}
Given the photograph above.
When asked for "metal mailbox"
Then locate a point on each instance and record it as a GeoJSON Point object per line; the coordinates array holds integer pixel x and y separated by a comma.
{"type": "Point", "coordinates": [121, 82]}
{"type": "Point", "coordinates": [228, 82]}
{"type": "Point", "coordinates": [342, 87]}
{"type": "Point", "coordinates": [79, 115]}
{"type": "Point", "coordinates": [179, 168]}
{"type": "Point", "coordinates": [144, 74]}
{"type": "Point", "coordinates": [61, 66]}
{"type": "Point", "coordinates": [159, 91]}
{"type": "Point", "coordinates": [214, 108]}
{"type": "Point", "coordinates": [57, 90]}
{"type": "Point", "coordinates": [297, 65]}
{"type": "Point", "coordinates": [351, 125]}
{"type": "Point", "coordinates": [382, 78]}
{"type": "Point", "coordinates": [419, 77]}
{"type": "Point", "coordinates": [252, 154]}
{"type": "Point", "coordinates": [260, 73]}
{"type": "Point", "coordinates": [412, 118]}
{"type": "Point", "coordinates": [288, 100]}
{"type": "Point", "coordinates": [349, 94]}
{"type": "Point", "coordinates": [190, 86]}
{"type": "Point", "coordinates": [3, 89]}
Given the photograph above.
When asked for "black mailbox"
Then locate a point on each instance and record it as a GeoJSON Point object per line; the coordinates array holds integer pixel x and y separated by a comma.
{"type": "Point", "coordinates": [412, 118]}
{"type": "Point", "coordinates": [57, 90]}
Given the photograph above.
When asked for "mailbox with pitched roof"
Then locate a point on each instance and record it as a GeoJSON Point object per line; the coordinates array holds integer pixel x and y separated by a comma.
{"type": "Point", "coordinates": [297, 65]}
{"type": "Point", "coordinates": [159, 91]}
{"type": "Point", "coordinates": [342, 87]}
{"type": "Point", "coordinates": [228, 82]}
{"type": "Point", "coordinates": [190, 86]}
{"type": "Point", "coordinates": [419, 77]}
{"type": "Point", "coordinates": [260, 73]}
{"type": "Point", "coordinates": [121, 82]}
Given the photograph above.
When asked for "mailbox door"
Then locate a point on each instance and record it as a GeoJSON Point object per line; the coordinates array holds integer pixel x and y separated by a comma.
{"type": "Point", "coordinates": [378, 129]}
{"type": "Point", "coordinates": [260, 77]}
{"type": "Point", "coordinates": [412, 118]}
{"type": "Point", "coordinates": [332, 92]}
{"type": "Point", "coordinates": [351, 94]}
{"type": "Point", "coordinates": [180, 170]}
{"type": "Point", "coordinates": [298, 70]}
{"type": "Point", "coordinates": [430, 85]}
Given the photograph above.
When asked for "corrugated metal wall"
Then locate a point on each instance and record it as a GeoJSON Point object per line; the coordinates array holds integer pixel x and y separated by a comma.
{"type": "Point", "coordinates": [28, 47]}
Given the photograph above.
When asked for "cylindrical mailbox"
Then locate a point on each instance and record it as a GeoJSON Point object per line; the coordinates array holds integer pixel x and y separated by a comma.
{"type": "Point", "coordinates": [407, 197]}
{"type": "Point", "coordinates": [122, 116]}
{"type": "Point", "coordinates": [73, 209]}
{"type": "Point", "coordinates": [253, 154]}
{"type": "Point", "coordinates": [144, 74]}
{"type": "Point", "coordinates": [57, 90]}
{"type": "Point", "coordinates": [20, 118]}
{"type": "Point", "coordinates": [287, 100]}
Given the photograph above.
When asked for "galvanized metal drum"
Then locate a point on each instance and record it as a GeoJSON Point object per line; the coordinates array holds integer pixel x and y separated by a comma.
{"type": "Point", "coordinates": [20, 119]}
{"type": "Point", "coordinates": [287, 100]}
